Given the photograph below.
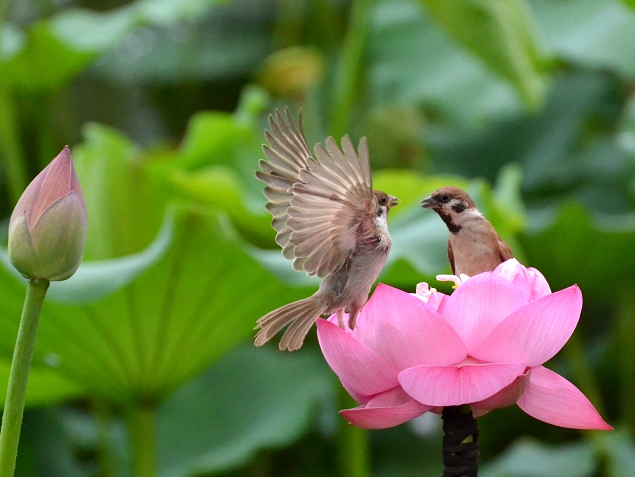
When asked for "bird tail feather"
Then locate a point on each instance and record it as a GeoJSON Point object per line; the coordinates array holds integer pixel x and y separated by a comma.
{"type": "Point", "coordinates": [301, 314]}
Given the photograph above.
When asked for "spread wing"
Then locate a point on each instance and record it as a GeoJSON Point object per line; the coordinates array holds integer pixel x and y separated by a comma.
{"type": "Point", "coordinates": [332, 207]}
{"type": "Point", "coordinates": [288, 154]}
{"type": "Point", "coordinates": [320, 207]}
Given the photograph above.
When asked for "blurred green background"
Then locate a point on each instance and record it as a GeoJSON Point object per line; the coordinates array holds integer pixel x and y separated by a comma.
{"type": "Point", "coordinates": [144, 363]}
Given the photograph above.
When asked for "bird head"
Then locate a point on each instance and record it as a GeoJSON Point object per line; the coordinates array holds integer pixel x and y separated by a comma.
{"type": "Point", "coordinates": [450, 200]}
{"type": "Point", "coordinates": [385, 200]}
{"type": "Point", "coordinates": [451, 203]}
{"type": "Point", "coordinates": [384, 204]}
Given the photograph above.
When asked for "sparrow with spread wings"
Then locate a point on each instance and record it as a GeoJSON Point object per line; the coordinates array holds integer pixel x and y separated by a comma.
{"type": "Point", "coordinates": [474, 246]}
{"type": "Point", "coordinates": [328, 220]}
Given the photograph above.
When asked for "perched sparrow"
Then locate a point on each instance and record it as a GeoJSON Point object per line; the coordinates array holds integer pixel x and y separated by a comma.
{"type": "Point", "coordinates": [474, 246]}
{"type": "Point", "coordinates": [329, 221]}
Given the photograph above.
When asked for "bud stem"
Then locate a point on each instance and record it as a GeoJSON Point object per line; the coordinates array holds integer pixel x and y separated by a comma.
{"type": "Point", "coordinates": [19, 376]}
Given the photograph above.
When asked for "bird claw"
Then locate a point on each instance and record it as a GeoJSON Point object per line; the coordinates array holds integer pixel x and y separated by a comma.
{"type": "Point", "coordinates": [352, 319]}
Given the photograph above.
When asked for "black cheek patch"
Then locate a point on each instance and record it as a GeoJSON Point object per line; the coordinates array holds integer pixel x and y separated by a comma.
{"type": "Point", "coordinates": [460, 207]}
{"type": "Point", "coordinates": [452, 227]}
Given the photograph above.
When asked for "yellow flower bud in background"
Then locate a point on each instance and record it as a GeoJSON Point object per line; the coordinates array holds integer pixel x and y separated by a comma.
{"type": "Point", "coordinates": [292, 72]}
{"type": "Point", "coordinates": [47, 230]}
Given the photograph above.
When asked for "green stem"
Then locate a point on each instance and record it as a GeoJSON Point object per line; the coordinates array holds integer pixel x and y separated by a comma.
{"type": "Point", "coordinates": [19, 375]}
{"type": "Point", "coordinates": [10, 148]}
{"type": "Point", "coordinates": [105, 453]}
{"type": "Point", "coordinates": [353, 443]}
{"type": "Point", "coordinates": [349, 68]}
{"type": "Point", "coordinates": [141, 429]}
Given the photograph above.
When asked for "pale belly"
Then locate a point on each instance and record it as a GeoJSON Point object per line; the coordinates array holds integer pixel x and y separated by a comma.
{"type": "Point", "coordinates": [351, 286]}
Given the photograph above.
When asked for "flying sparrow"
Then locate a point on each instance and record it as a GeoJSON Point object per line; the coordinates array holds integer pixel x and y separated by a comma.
{"type": "Point", "coordinates": [474, 246]}
{"type": "Point", "coordinates": [328, 220]}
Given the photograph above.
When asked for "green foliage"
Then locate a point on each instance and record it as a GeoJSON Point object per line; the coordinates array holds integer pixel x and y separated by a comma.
{"type": "Point", "coordinates": [412, 61]}
{"type": "Point", "coordinates": [606, 24]}
{"type": "Point", "coordinates": [197, 436]}
{"type": "Point", "coordinates": [620, 450]}
{"type": "Point", "coordinates": [528, 458]}
{"type": "Point", "coordinates": [573, 230]}
{"type": "Point", "coordinates": [501, 33]}
{"type": "Point", "coordinates": [201, 436]}
{"type": "Point", "coordinates": [124, 205]}
{"type": "Point", "coordinates": [46, 386]}
{"type": "Point", "coordinates": [60, 47]}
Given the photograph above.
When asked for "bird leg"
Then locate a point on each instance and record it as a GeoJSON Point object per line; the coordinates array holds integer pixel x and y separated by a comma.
{"type": "Point", "coordinates": [353, 312]}
{"type": "Point", "coordinates": [340, 318]}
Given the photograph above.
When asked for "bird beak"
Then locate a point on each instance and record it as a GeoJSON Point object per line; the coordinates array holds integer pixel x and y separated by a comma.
{"type": "Point", "coordinates": [428, 202]}
{"type": "Point", "coordinates": [392, 201]}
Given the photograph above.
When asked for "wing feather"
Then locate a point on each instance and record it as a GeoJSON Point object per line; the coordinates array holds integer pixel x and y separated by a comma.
{"type": "Point", "coordinates": [287, 153]}
{"type": "Point", "coordinates": [342, 162]}
{"type": "Point", "coordinates": [310, 242]}
{"type": "Point", "coordinates": [327, 171]}
{"type": "Point", "coordinates": [355, 165]}
{"type": "Point", "coordinates": [364, 161]}
{"type": "Point", "coordinates": [292, 135]}
{"type": "Point", "coordinates": [286, 144]}
{"type": "Point", "coordinates": [451, 258]}
{"type": "Point", "coordinates": [319, 203]}
{"type": "Point", "coordinates": [345, 196]}
{"type": "Point", "coordinates": [280, 160]}
{"type": "Point", "coordinates": [277, 210]}
{"type": "Point", "coordinates": [322, 188]}
{"type": "Point", "coordinates": [277, 183]}
{"type": "Point", "coordinates": [298, 265]}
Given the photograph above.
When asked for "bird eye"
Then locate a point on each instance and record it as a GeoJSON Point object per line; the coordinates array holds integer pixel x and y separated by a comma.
{"type": "Point", "coordinates": [383, 201]}
{"type": "Point", "coordinates": [445, 198]}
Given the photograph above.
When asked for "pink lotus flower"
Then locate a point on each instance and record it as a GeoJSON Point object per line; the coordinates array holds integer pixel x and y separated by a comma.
{"type": "Point", "coordinates": [484, 345]}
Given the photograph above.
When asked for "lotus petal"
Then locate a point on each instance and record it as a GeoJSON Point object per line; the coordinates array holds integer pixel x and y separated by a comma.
{"type": "Point", "coordinates": [355, 364]}
{"type": "Point", "coordinates": [388, 409]}
{"type": "Point", "coordinates": [536, 332]}
{"type": "Point", "coordinates": [456, 385]}
{"type": "Point", "coordinates": [552, 399]}
{"type": "Point", "coordinates": [479, 305]}
{"type": "Point", "coordinates": [407, 332]}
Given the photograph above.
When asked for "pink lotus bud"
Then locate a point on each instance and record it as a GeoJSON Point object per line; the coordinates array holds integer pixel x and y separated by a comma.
{"type": "Point", "coordinates": [47, 230]}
